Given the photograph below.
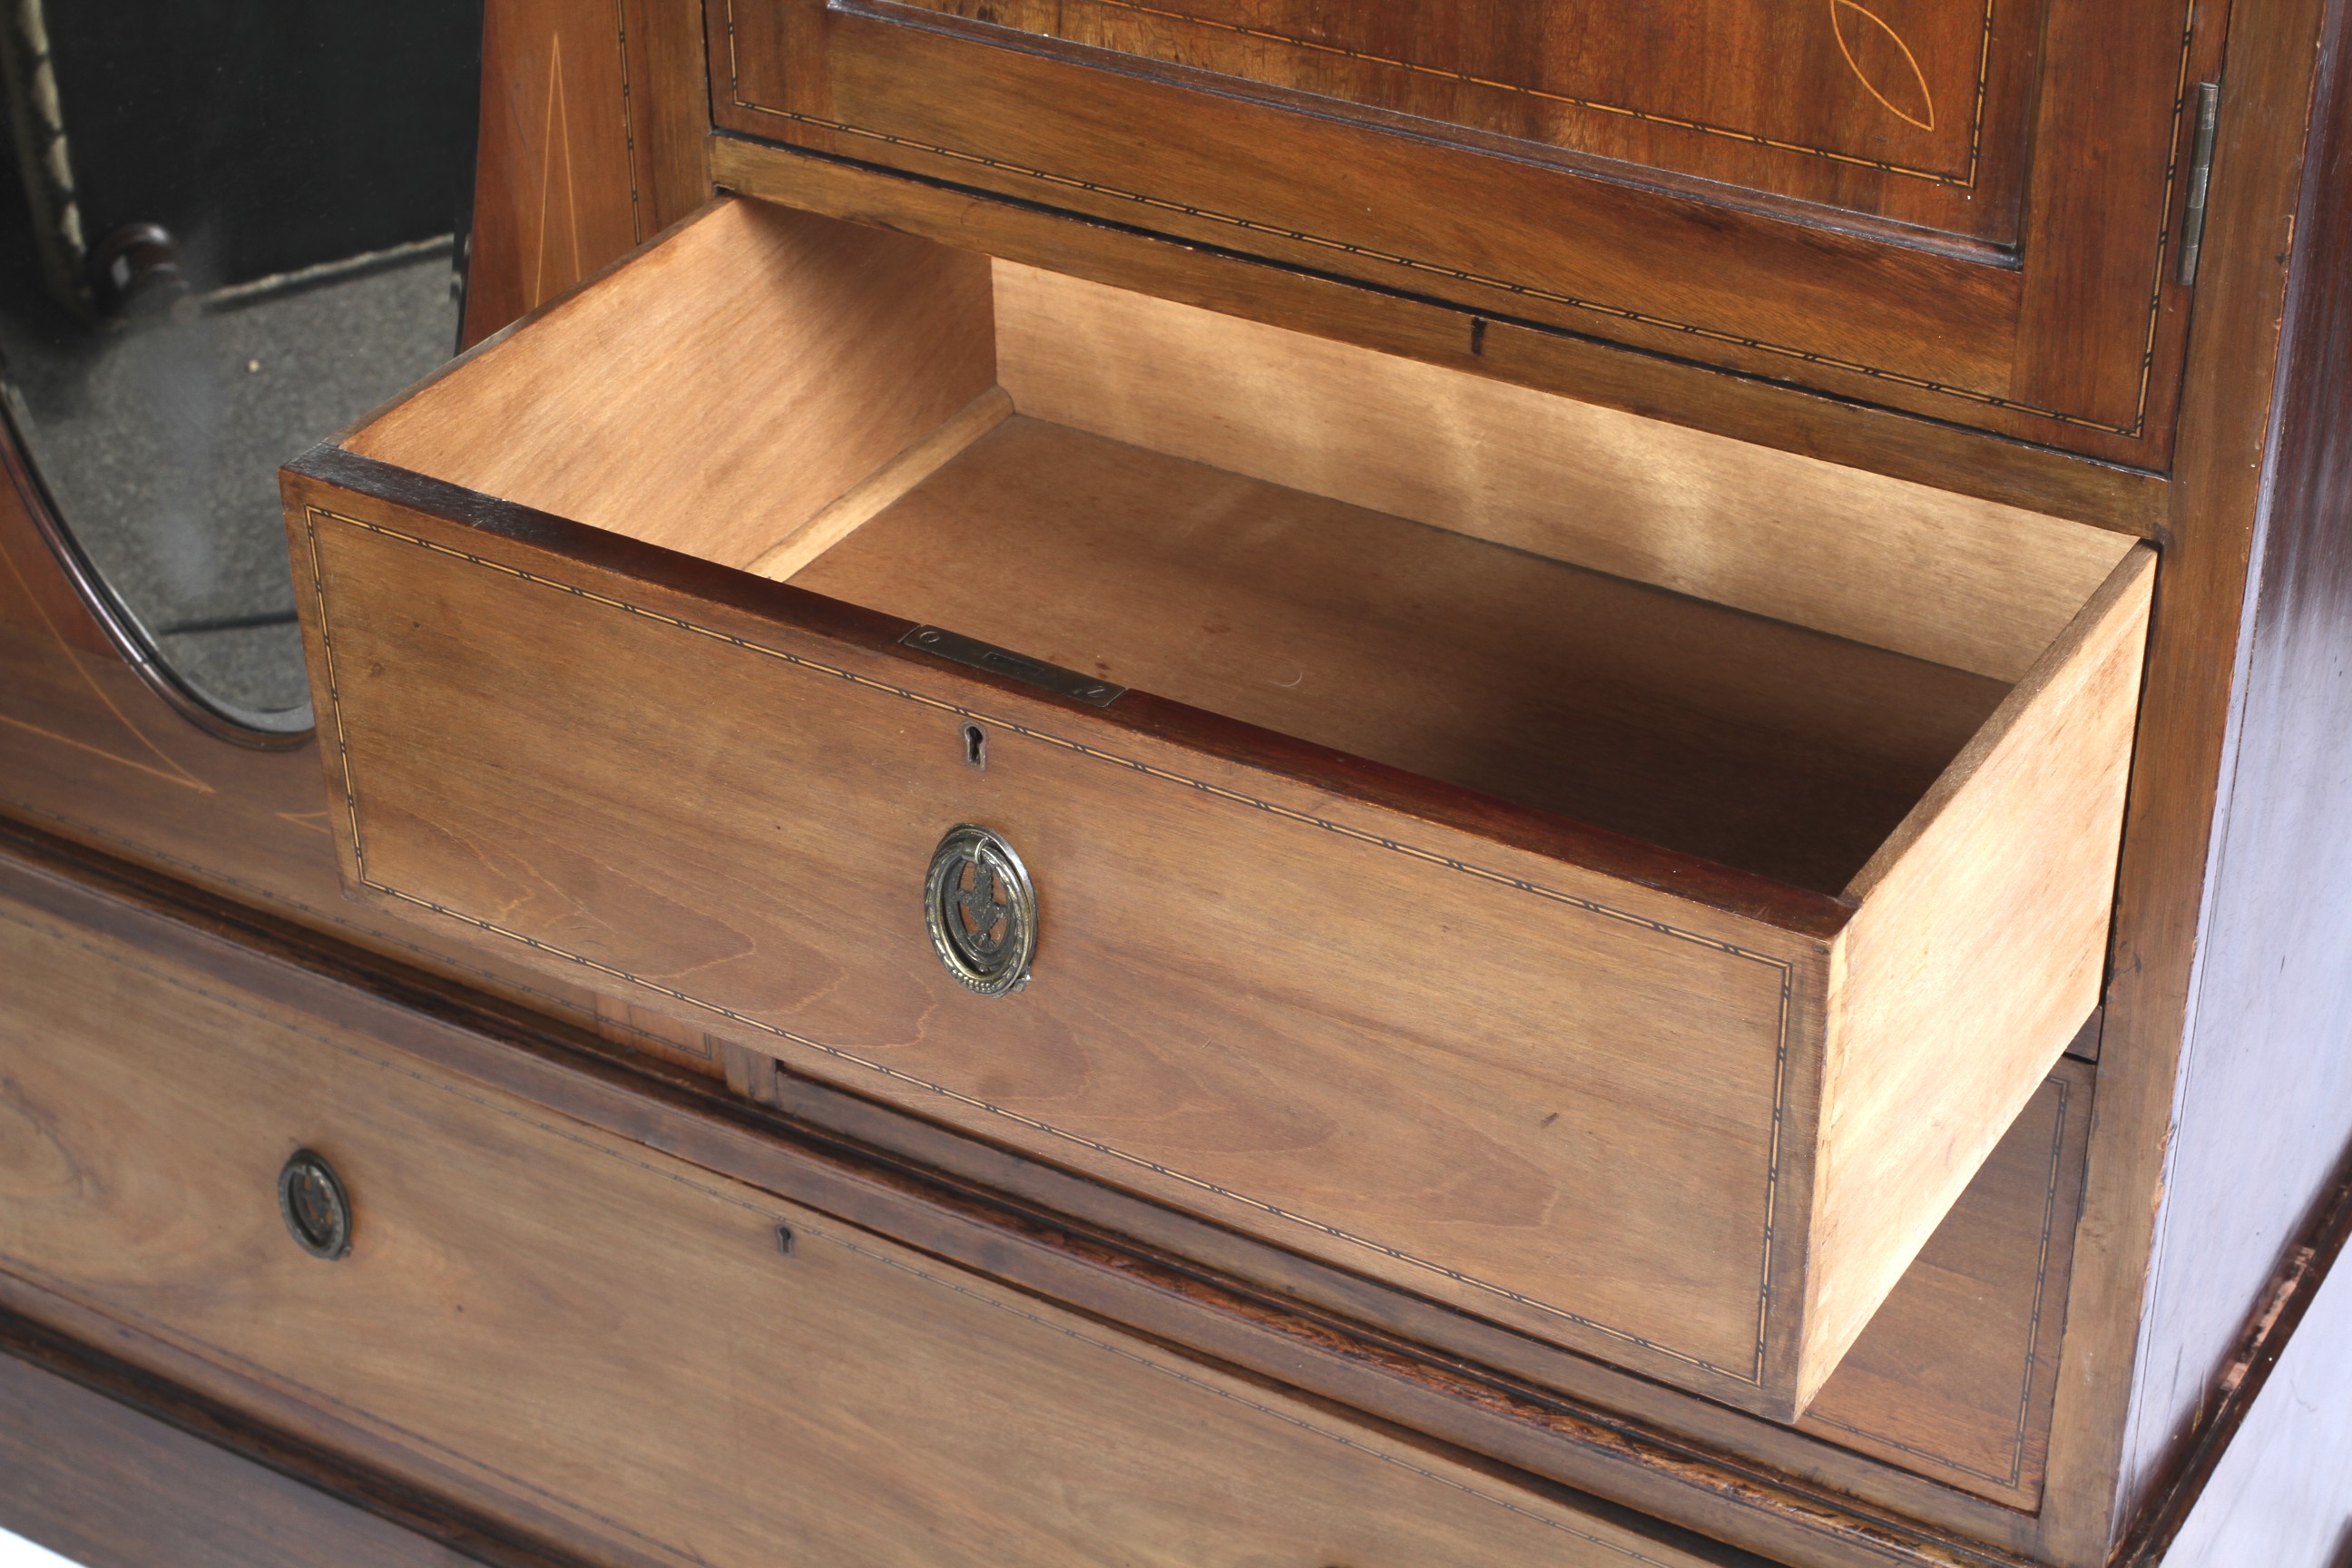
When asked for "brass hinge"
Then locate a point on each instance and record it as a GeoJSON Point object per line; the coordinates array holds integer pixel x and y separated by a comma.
{"type": "Point", "coordinates": [2200, 178]}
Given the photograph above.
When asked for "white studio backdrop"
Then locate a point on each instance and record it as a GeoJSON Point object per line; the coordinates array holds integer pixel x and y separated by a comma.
{"type": "Point", "coordinates": [15, 1551]}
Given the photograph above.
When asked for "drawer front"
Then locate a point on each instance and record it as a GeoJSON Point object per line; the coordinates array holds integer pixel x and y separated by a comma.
{"type": "Point", "coordinates": [1778, 221]}
{"type": "Point", "coordinates": [1492, 1079]}
{"type": "Point", "coordinates": [99, 1480]}
{"type": "Point", "coordinates": [613, 1343]}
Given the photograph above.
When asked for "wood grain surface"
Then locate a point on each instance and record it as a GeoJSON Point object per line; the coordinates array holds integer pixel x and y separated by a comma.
{"type": "Point", "coordinates": [1977, 950]}
{"type": "Point", "coordinates": [2263, 1069]}
{"type": "Point", "coordinates": [1976, 585]}
{"type": "Point", "coordinates": [849, 347]}
{"type": "Point", "coordinates": [869, 497]}
{"type": "Point", "coordinates": [681, 1365]}
{"type": "Point", "coordinates": [592, 135]}
{"type": "Point", "coordinates": [96, 755]}
{"type": "Point", "coordinates": [1896, 112]}
{"type": "Point", "coordinates": [1034, 787]}
{"type": "Point", "coordinates": [1705, 729]}
{"type": "Point", "coordinates": [556, 184]}
{"type": "Point", "coordinates": [1015, 1220]}
{"type": "Point", "coordinates": [95, 752]}
{"type": "Point", "coordinates": [1930, 1381]}
{"type": "Point", "coordinates": [2066, 330]}
{"type": "Point", "coordinates": [2279, 1499]}
{"type": "Point", "coordinates": [436, 712]}
{"type": "Point", "coordinates": [1496, 342]}
{"type": "Point", "coordinates": [2104, 1448]}
{"type": "Point", "coordinates": [1564, 1416]}
{"type": "Point", "coordinates": [2266, 1471]}
{"type": "Point", "coordinates": [90, 754]}
{"type": "Point", "coordinates": [115, 1467]}
{"type": "Point", "coordinates": [1344, 1027]}
{"type": "Point", "coordinates": [106, 1487]}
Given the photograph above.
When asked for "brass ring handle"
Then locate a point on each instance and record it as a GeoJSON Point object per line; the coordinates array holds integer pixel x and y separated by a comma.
{"type": "Point", "coordinates": [982, 910]}
{"type": "Point", "coordinates": [316, 1208]}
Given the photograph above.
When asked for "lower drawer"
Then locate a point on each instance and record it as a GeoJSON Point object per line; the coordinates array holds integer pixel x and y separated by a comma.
{"type": "Point", "coordinates": [654, 1362]}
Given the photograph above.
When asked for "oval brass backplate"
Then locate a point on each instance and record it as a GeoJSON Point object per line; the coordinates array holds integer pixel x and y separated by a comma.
{"type": "Point", "coordinates": [317, 1211]}
{"type": "Point", "coordinates": [982, 910]}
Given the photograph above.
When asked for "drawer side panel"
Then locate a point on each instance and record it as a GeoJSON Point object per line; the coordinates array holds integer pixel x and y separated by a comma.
{"type": "Point", "coordinates": [1979, 948]}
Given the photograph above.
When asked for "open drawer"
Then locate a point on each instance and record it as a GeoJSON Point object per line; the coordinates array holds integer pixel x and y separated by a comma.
{"type": "Point", "coordinates": [1616, 881]}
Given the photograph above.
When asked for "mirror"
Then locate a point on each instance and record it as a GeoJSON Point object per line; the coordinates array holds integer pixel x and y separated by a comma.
{"type": "Point", "coordinates": [227, 229]}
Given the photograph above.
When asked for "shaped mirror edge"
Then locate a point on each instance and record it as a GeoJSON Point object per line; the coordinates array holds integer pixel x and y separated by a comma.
{"type": "Point", "coordinates": [203, 272]}
{"type": "Point", "coordinates": [261, 728]}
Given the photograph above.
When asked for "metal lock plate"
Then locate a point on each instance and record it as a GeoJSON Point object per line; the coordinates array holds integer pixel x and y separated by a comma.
{"type": "Point", "coordinates": [981, 909]}
{"type": "Point", "coordinates": [1002, 661]}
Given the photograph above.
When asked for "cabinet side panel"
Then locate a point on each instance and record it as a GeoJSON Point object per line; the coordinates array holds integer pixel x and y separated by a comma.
{"type": "Point", "coordinates": [558, 190]}
{"type": "Point", "coordinates": [2265, 1107]}
{"type": "Point", "coordinates": [2281, 1496]}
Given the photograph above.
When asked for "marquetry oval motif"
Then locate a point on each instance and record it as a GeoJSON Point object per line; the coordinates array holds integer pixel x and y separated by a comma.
{"type": "Point", "coordinates": [1883, 63]}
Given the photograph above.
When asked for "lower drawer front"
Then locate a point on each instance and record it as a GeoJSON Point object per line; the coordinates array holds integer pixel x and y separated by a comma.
{"type": "Point", "coordinates": [620, 1347]}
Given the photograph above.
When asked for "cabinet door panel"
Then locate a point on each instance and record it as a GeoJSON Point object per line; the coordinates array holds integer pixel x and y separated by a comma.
{"type": "Point", "coordinates": [1966, 214]}
{"type": "Point", "coordinates": [1889, 108]}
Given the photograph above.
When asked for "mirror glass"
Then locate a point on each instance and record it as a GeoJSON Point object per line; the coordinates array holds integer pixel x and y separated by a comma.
{"type": "Point", "coordinates": [227, 229]}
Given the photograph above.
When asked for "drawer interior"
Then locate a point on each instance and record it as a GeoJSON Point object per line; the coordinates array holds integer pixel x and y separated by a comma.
{"type": "Point", "coordinates": [1733, 652]}
{"type": "Point", "coordinates": [1704, 729]}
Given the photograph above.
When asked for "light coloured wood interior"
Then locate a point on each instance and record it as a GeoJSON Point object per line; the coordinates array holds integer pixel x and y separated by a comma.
{"type": "Point", "coordinates": [1735, 651]}
{"type": "Point", "coordinates": [1971, 584]}
{"type": "Point", "coordinates": [864, 499]}
{"type": "Point", "coordinates": [1705, 728]}
{"type": "Point", "coordinates": [1978, 945]}
{"type": "Point", "coordinates": [716, 391]}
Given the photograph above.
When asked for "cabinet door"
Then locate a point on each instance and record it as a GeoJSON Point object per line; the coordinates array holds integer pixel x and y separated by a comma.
{"type": "Point", "coordinates": [1963, 208]}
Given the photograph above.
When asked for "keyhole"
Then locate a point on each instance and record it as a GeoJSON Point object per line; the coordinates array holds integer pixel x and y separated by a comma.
{"type": "Point", "coordinates": [975, 745]}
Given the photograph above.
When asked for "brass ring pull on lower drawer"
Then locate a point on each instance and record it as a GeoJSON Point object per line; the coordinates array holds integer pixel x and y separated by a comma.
{"type": "Point", "coordinates": [312, 1202]}
{"type": "Point", "coordinates": [982, 910]}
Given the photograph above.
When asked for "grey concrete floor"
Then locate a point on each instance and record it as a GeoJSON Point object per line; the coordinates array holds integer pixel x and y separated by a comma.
{"type": "Point", "coordinates": [160, 442]}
